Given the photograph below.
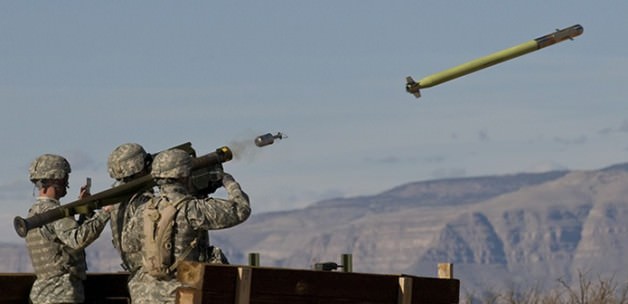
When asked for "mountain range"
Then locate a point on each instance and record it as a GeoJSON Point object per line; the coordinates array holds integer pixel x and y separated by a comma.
{"type": "Point", "coordinates": [500, 232]}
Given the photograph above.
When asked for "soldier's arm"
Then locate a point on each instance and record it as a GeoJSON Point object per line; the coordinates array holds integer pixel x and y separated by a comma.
{"type": "Point", "coordinates": [235, 193]}
{"type": "Point", "coordinates": [215, 213]}
{"type": "Point", "coordinates": [78, 236]}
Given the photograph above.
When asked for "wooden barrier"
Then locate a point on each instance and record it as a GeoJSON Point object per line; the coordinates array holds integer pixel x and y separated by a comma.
{"type": "Point", "coordinates": [100, 288]}
{"type": "Point", "coordinates": [210, 283]}
{"type": "Point", "coordinates": [15, 287]}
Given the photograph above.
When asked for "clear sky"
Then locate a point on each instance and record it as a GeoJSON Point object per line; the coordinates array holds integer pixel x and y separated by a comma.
{"type": "Point", "coordinates": [78, 78]}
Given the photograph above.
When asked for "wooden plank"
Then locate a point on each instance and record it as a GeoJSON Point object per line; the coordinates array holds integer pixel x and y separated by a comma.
{"type": "Point", "coordinates": [267, 285]}
{"type": "Point", "coordinates": [191, 274]}
{"type": "Point", "coordinates": [279, 286]}
{"type": "Point", "coordinates": [15, 287]}
{"type": "Point", "coordinates": [445, 270]}
{"type": "Point", "coordinates": [275, 285]}
{"type": "Point", "coordinates": [188, 295]}
{"type": "Point", "coordinates": [243, 286]}
{"type": "Point", "coordinates": [218, 283]}
{"type": "Point", "coordinates": [100, 288]}
{"type": "Point", "coordinates": [405, 290]}
{"type": "Point", "coordinates": [435, 291]}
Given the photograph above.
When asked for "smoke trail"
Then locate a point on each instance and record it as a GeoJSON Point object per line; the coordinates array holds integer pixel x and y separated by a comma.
{"type": "Point", "coordinates": [244, 149]}
{"type": "Point", "coordinates": [248, 149]}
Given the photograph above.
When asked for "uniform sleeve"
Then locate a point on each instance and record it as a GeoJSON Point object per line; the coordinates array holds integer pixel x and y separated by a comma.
{"type": "Point", "coordinates": [78, 236]}
{"type": "Point", "coordinates": [216, 213]}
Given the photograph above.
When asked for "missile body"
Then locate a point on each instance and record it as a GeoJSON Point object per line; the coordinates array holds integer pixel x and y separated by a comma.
{"type": "Point", "coordinates": [268, 138]}
{"type": "Point", "coordinates": [413, 87]}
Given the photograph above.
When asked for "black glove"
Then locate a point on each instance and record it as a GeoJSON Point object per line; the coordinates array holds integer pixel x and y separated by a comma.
{"type": "Point", "coordinates": [206, 181]}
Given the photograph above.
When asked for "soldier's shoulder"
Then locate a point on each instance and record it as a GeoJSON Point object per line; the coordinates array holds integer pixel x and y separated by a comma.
{"type": "Point", "coordinates": [44, 204]}
{"type": "Point", "coordinates": [192, 201]}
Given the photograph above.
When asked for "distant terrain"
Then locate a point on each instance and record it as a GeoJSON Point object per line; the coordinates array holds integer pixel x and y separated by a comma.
{"type": "Point", "coordinates": [499, 231]}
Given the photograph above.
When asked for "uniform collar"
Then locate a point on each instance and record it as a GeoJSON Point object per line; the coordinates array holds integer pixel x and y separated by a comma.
{"type": "Point", "coordinates": [48, 199]}
{"type": "Point", "coordinates": [173, 188]}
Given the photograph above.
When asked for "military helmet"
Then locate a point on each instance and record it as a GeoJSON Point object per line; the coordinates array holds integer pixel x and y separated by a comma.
{"type": "Point", "coordinates": [126, 160]}
{"type": "Point", "coordinates": [173, 163]}
{"type": "Point", "coordinates": [49, 166]}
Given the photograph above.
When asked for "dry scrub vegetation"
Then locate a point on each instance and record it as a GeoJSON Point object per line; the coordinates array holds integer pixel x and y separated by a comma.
{"type": "Point", "coordinates": [584, 291]}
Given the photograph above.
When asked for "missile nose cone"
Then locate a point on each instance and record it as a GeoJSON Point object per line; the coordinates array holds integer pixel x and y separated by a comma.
{"type": "Point", "coordinates": [576, 30]}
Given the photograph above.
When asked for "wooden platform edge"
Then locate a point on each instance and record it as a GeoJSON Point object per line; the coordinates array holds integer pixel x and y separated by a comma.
{"type": "Point", "coordinates": [252, 284]}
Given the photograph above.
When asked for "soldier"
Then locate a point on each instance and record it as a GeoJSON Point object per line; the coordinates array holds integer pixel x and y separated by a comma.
{"type": "Point", "coordinates": [57, 249]}
{"type": "Point", "coordinates": [125, 163]}
{"type": "Point", "coordinates": [173, 226]}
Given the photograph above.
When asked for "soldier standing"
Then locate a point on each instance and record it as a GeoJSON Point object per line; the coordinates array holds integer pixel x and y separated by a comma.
{"type": "Point", "coordinates": [57, 249]}
{"type": "Point", "coordinates": [125, 163]}
{"type": "Point", "coordinates": [173, 226]}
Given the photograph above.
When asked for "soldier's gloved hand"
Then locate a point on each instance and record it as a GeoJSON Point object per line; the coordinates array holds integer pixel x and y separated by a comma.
{"type": "Point", "coordinates": [227, 180]}
{"type": "Point", "coordinates": [213, 186]}
{"type": "Point", "coordinates": [204, 192]}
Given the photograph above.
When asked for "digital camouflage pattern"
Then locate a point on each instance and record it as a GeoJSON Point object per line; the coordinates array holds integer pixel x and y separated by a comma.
{"type": "Point", "coordinates": [58, 256]}
{"type": "Point", "coordinates": [192, 222]}
{"type": "Point", "coordinates": [145, 289]}
{"type": "Point", "coordinates": [173, 163]}
{"type": "Point", "coordinates": [121, 214]}
{"type": "Point", "coordinates": [126, 160]}
{"type": "Point", "coordinates": [49, 166]}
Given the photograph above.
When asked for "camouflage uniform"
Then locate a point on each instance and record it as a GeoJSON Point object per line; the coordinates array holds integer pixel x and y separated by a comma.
{"type": "Point", "coordinates": [125, 162]}
{"type": "Point", "coordinates": [192, 221]}
{"type": "Point", "coordinates": [120, 215]}
{"type": "Point", "coordinates": [58, 255]}
{"type": "Point", "coordinates": [57, 249]}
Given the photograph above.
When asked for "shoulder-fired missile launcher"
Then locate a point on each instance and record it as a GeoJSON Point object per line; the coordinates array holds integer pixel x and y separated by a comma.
{"type": "Point", "coordinates": [201, 167]}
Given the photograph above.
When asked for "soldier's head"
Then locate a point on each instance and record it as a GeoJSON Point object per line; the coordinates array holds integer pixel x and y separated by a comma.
{"type": "Point", "coordinates": [48, 171]}
{"type": "Point", "coordinates": [128, 161]}
{"type": "Point", "coordinates": [171, 165]}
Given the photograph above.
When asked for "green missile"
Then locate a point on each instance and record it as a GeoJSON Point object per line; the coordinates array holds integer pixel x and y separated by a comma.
{"type": "Point", "coordinates": [413, 87]}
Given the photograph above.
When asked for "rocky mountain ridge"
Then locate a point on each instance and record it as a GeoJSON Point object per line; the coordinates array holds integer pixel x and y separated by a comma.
{"type": "Point", "coordinates": [499, 231]}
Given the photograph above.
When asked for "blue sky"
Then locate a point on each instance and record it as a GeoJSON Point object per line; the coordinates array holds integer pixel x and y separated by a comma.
{"type": "Point", "coordinates": [80, 78]}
